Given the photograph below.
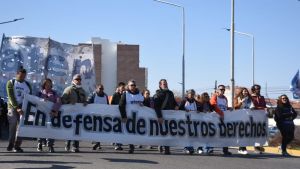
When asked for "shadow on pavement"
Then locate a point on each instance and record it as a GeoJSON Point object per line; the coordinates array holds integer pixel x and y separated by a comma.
{"type": "Point", "coordinates": [41, 162]}
{"type": "Point", "coordinates": [120, 160]}
{"type": "Point", "coordinates": [52, 167]}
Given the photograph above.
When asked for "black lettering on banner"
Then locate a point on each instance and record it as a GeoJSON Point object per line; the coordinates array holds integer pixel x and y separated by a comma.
{"type": "Point", "coordinates": [247, 128]}
{"type": "Point", "coordinates": [264, 132]}
{"type": "Point", "coordinates": [87, 123]}
{"type": "Point", "coordinates": [97, 122]}
{"type": "Point", "coordinates": [189, 123]}
{"type": "Point", "coordinates": [131, 124]}
{"type": "Point", "coordinates": [181, 127]}
{"type": "Point", "coordinates": [212, 129]}
{"type": "Point", "coordinates": [196, 124]}
{"type": "Point", "coordinates": [154, 127]}
{"type": "Point", "coordinates": [28, 113]}
{"type": "Point", "coordinates": [55, 121]}
{"type": "Point", "coordinates": [253, 127]}
{"type": "Point", "coordinates": [229, 130]}
{"type": "Point", "coordinates": [77, 121]}
{"type": "Point", "coordinates": [141, 124]}
{"type": "Point", "coordinates": [107, 124]}
{"type": "Point", "coordinates": [40, 116]}
{"type": "Point", "coordinates": [67, 121]}
{"type": "Point", "coordinates": [117, 128]}
{"type": "Point", "coordinates": [173, 127]}
{"type": "Point", "coordinates": [204, 129]}
{"type": "Point", "coordinates": [241, 130]}
{"type": "Point", "coordinates": [164, 130]}
{"type": "Point", "coordinates": [259, 129]}
{"type": "Point", "coordinates": [235, 124]}
{"type": "Point", "coordinates": [222, 129]}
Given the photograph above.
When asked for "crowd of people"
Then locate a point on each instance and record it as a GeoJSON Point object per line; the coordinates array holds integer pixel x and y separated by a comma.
{"type": "Point", "coordinates": [126, 94]}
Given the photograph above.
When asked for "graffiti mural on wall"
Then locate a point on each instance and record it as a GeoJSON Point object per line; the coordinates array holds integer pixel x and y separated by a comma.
{"type": "Point", "coordinates": [46, 58]}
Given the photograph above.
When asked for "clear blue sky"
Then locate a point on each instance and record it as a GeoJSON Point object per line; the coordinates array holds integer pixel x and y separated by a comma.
{"type": "Point", "coordinates": [157, 29]}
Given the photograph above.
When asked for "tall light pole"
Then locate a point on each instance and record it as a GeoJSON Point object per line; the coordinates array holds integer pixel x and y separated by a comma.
{"type": "Point", "coordinates": [253, 63]}
{"type": "Point", "coordinates": [15, 20]}
{"type": "Point", "coordinates": [183, 41]}
{"type": "Point", "coordinates": [232, 53]}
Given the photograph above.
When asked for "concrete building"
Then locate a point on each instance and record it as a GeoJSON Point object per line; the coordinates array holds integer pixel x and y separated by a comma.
{"type": "Point", "coordinates": [117, 62]}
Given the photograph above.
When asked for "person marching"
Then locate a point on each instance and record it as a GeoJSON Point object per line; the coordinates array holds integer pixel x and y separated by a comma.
{"type": "Point", "coordinates": [284, 116]}
{"type": "Point", "coordinates": [115, 101]}
{"type": "Point", "coordinates": [98, 97]}
{"type": "Point", "coordinates": [259, 104]}
{"type": "Point", "coordinates": [189, 104]}
{"type": "Point", "coordinates": [16, 90]}
{"type": "Point", "coordinates": [220, 103]}
{"type": "Point", "coordinates": [204, 106]}
{"type": "Point", "coordinates": [71, 95]}
{"type": "Point", "coordinates": [243, 101]}
{"type": "Point", "coordinates": [130, 97]}
{"type": "Point", "coordinates": [164, 100]}
{"type": "Point", "coordinates": [48, 94]}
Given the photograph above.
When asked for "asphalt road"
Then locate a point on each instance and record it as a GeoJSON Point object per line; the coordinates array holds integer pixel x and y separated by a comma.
{"type": "Point", "coordinates": [143, 158]}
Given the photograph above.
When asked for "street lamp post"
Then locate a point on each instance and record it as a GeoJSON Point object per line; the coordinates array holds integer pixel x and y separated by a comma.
{"type": "Point", "coordinates": [15, 20]}
{"type": "Point", "coordinates": [232, 53]}
{"type": "Point", "coordinates": [183, 41]}
{"type": "Point", "coordinates": [253, 64]}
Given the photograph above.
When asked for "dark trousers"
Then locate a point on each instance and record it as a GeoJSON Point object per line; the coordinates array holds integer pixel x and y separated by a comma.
{"type": "Point", "coordinates": [287, 132]}
{"type": "Point", "coordinates": [75, 144]}
{"type": "Point", "coordinates": [49, 142]}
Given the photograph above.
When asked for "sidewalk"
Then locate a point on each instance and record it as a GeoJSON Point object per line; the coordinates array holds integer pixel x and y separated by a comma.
{"type": "Point", "coordinates": [274, 150]}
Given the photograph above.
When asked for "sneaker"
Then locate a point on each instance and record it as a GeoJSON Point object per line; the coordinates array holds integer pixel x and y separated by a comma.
{"type": "Point", "coordinates": [118, 148]}
{"type": "Point", "coordinates": [97, 146]}
{"type": "Point", "coordinates": [10, 147]}
{"type": "Point", "coordinates": [51, 149]}
{"type": "Point", "coordinates": [160, 149]}
{"type": "Point", "coordinates": [285, 154]}
{"type": "Point", "coordinates": [259, 150]}
{"type": "Point", "coordinates": [188, 150]}
{"type": "Point", "coordinates": [244, 152]}
{"type": "Point", "coordinates": [200, 150]}
{"type": "Point", "coordinates": [209, 151]}
{"type": "Point", "coordinates": [67, 148]}
{"type": "Point", "coordinates": [75, 150]}
{"type": "Point", "coordinates": [131, 149]}
{"type": "Point", "coordinates": [39, 147]}
{"type": "Point", "coordinates": [18, 150]}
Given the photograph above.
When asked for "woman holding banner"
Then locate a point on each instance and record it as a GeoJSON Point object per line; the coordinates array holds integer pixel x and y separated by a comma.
{"type": "Point", "coordinates": [243, 101]}
{"type": "Point", "coordinates": [189, 104]}
{"type": "Point", "coordinates": [284, 116]}
{"type": "Point", "coordinates": [48, 94]}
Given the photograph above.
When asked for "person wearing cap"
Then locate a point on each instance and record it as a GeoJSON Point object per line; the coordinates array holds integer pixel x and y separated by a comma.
{"type": "Point", "coordinates": [71, 95]}
{"type": "Point", "coordinates": [189, 104]}
{"type": "Point", "coordinates": [16, 90]}
{"type": "Point", "coordinates": [220, 103]}
{"type": "Point", "coordinates": [98, 97]}
{"type": "Point", "coordinates": [164, 100]}
{"type": "Point", "coordinates": [131, 96]}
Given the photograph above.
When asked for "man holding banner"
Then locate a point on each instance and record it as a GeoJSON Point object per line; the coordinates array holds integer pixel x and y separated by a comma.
{"type": "Point", "coordinates": [71, 95]}
{"type": "Point", "coordinates": [16, 90]}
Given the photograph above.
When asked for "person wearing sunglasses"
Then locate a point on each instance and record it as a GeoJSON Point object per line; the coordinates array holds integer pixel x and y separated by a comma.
{"type": "Point", "coordinates": [220, 104]}
{"type": "Point", "coordinates": [71, 95]}
{"type": "Point", "coordinates": [284, 116]}
{"type": "Point", "coordinates": [259, 104]}
{"type": "Point", "coordinates": [98, 97]}
{"type": "Point", "coordinates": [131, 96]}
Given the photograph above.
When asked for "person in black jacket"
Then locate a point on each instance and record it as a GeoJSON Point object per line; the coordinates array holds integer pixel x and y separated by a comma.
{"type": "Point", "coordinates": [164, 100]}
{"type": "Point", "coordinates": [131, 96]}
{"type": "Point", "coordinates": [115, 101]}
{"type": "Point", "coordinates": [284, 116]}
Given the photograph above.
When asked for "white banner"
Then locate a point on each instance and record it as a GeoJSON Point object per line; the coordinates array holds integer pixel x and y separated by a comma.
{"type": "Point", "coordinates": [103, 123]}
